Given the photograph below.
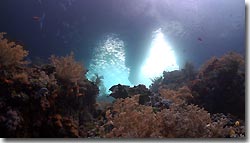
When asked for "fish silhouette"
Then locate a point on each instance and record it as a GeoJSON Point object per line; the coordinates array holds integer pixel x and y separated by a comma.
{"type": "Point", "coordinates": [40, 20]}
{"type": "Point", "coordinates": [199, 38]}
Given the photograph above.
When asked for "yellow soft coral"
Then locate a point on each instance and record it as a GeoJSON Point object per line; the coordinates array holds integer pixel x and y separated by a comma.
{"type": "Point", "coordinates": [11, 54]}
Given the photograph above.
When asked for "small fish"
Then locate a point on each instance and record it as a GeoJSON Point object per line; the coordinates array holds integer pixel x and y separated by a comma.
{"type": "Point", "coordinates": [199, 38]}
{"type": "Point", "coordinates": [8, 81]}
{"type": "Point", "coordinates": [39, 19]}
{"type": "Point", "coordinates": [237, 123]}
{"type": "Point", "coordinates": [36, 18]}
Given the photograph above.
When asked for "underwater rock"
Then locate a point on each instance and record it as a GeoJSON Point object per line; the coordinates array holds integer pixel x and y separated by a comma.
{"type": "Point", "coordinates": [139, 89]}
{"type": "Point", "coordinates": [174, 79]}
{"type": "Point", "coordinates": [143, 99]}
{"type": "Point", "coordinates": [146, 97]}
{"type": "Point", "coordinates": [119, 91]}
{"type": "Point", "coordinates": [156, 100]}
{"type": "Point", "coordinates": [124, 91]}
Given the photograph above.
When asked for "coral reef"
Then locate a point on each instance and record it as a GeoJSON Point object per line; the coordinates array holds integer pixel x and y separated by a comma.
{"type": "Point", "coordinates": [32, 95]}
{"type": "Point", "coordinates": [57, 100]}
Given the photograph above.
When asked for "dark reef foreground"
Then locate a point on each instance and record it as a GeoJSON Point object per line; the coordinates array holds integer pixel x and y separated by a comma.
{"type": "Point", "coordinates": [57, 100]}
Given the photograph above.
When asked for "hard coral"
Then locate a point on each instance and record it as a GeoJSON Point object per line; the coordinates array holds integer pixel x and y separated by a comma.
{"type": "Point", "coordinates": [11, 54]}
{"type": "Point", "coordinates": [67, 69]}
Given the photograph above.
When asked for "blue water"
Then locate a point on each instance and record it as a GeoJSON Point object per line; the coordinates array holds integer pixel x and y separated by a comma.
{"type": "Point", "coordinates": [114, 38]}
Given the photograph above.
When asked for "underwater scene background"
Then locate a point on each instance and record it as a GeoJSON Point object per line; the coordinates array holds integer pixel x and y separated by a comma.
{"type": "Point", "coordinates": [122, 69]}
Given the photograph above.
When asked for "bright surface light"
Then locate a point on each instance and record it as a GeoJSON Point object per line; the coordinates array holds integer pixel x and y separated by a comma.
{"type": "Point", "coordinates": [109, 61]}
{"type": "Point", "coordinates": [161, 58]}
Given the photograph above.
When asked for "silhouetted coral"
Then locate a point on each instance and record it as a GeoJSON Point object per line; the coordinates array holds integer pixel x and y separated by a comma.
{"type": "Point", "coordinates": [174, 79]}
{"type": "Point", "coordinates": [98, 80]}
{"type": "Point", "coordinates": [156, 83]}
{"type": "Point", "coordinates": [220, 85]}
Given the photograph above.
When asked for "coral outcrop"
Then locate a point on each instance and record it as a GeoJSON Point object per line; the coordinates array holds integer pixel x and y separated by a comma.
{"type": "Point", "coordinates": [220, 85]}
{"type": "Point", "coordinates": [174, 79]}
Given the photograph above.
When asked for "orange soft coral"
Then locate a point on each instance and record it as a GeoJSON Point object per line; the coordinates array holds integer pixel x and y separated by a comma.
{"type": "Point", "coordinates": [11, 54]}
{"type": "Point", "coordinates": [67, 69]}
{"type": "Point", "coordinates": [128, 119]}
{"type": "Point", "coordinates": [183, 95]}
